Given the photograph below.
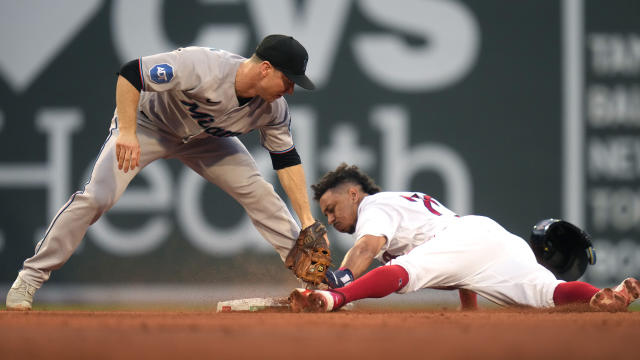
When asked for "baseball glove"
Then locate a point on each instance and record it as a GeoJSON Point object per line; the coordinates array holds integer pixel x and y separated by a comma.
{"type": "Point", "coordinates": [310, 257]}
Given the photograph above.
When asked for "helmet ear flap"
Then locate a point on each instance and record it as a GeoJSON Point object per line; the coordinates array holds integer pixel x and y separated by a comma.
{"type": "Point", "coordinates": [562, 248]}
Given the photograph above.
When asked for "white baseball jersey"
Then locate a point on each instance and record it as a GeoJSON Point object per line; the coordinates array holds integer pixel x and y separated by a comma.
{"type": "Point", "coordinates": [440, 249]}
{"type": "Point", "coordinates": [406, 219]}
{"type": "Point", "coordinates": [190, 92]}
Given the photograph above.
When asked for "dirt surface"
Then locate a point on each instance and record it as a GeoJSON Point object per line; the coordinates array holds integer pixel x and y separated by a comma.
{"type": "Point", "coordinates": [356, 334]}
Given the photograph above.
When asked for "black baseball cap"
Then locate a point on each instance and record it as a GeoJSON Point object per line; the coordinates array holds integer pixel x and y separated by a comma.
{"type": "Point", "coordinates": [287, 55]}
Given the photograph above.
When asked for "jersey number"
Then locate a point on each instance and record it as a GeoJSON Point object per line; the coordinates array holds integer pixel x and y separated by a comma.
{"type": "Point", "coordinates": [427, 200]}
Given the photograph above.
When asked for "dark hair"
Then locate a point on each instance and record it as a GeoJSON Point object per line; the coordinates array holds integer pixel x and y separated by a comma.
{"type": "Point", "coordinates": [344, 174]}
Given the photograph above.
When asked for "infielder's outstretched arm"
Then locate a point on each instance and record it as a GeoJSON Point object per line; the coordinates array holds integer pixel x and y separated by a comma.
{"type": "Point", "coordinates": [360, 256]}
{"type": "Point", "coordinates": [294, 184]}
{"type": "Point", "coordinates": [127, 146]}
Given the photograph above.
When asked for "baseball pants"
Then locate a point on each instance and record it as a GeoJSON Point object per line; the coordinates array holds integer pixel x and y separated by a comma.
{"type": "Point", "coordinates": [478, 254]}
{"type": "Point", "coordinates": [223, 161]}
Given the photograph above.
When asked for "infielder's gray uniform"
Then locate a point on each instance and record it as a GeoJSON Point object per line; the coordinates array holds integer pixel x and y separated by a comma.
{"type": "Point", "coordinates": [188, 110]}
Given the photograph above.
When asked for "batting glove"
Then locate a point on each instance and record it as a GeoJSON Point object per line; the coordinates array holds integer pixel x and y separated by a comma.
{"type": "Point", "coordinates": [339, 278]}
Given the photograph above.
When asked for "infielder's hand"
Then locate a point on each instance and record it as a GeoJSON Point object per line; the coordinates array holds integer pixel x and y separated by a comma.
{"type": "Point", "coordinates": [310, 257]}
{"type": "Point", "coordinates": [127, 151]}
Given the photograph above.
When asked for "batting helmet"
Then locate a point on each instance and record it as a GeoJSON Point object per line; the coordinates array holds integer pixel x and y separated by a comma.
{"type": "Point", "coordinates": [562, 247]}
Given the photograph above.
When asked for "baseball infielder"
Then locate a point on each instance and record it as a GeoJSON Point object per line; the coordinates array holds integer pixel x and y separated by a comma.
{"type": "Point", "coordinates": [190, 104]}
{"type": "Point", "coordinates": [425, 245]}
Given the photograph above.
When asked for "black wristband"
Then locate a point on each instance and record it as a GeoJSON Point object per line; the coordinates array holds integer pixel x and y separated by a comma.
{"type": "Point", "coordinates": [286, 159]}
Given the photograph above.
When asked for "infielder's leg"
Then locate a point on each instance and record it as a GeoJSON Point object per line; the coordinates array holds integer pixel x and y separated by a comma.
{"type": "Point", "coordinates": [226, 163]}
{"type": "Point", "coordinates": [105, 186]}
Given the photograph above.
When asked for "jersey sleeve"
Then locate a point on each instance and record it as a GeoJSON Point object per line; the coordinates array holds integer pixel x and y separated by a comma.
{"type": "Point", "coordinates": [377, 221]}
{"type": "Point", "coordinates": [276, 136]}
{"type": "Point", "coordinates": [181, 69]}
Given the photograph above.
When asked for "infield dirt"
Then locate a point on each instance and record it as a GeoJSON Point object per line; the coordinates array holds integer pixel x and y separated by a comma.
{"type": "Point", "coordinates": [357, 334]}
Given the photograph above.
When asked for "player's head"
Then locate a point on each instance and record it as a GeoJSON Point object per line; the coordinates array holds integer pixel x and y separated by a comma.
{"type": "Point", "coordinates": [271, 83]}
{"type": "Point", "coordinates": [339, 193]}
{"type": "Point", "coordinates": [287, 56]}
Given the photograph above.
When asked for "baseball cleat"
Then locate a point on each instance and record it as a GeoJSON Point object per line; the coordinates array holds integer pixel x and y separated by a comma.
{"type": "Point", "coordinates": [20, 296]}
{"type": "Point", "coordinates": [304, 300]}
{"type": "Point", "coordinates": [299, 299]}
{"type": "Point", "coordinates": [608, 300]}
{"type": "Point", "coordinates": [630, 289]}
{"type": "Point", "coordinates": [617, 299]}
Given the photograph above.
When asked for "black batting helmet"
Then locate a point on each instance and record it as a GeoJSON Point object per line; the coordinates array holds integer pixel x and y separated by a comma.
{"type": "Point", "coordinates": [562, 247]}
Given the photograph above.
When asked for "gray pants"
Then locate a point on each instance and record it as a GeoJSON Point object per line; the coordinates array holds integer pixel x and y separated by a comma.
{"type": "Point", "coordinates": [223, 161]}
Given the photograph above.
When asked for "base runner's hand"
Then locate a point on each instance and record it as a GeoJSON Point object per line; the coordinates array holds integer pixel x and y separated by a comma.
{"type": "Point", "coordinates": [127, 151]}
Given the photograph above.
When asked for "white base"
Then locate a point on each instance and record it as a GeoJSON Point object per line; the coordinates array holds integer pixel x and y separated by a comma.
{"type": "Point", "coordinates": [253, 304]}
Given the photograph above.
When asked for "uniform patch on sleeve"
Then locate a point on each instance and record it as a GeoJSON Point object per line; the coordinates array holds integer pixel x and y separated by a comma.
{"type": "Point", "coordinates": [161, 73]}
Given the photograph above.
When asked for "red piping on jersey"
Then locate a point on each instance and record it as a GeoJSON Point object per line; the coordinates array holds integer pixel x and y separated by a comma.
{"type": "Point", "coordinates": [428, 203]}
{"type": "Point", "coordinates": [427, 200]}
{"type": "Point", "coordinates": [283, 151]}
